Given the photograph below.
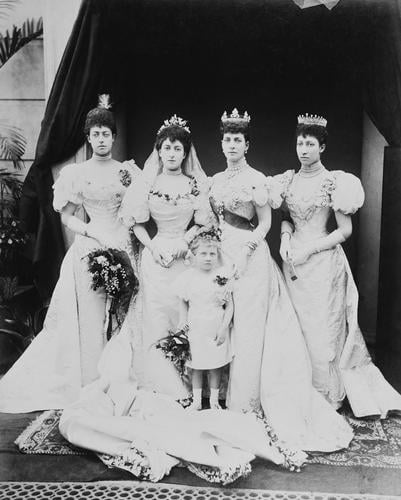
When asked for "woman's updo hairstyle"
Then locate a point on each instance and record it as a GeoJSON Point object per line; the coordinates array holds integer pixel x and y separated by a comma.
{"type": "Point", "coordinates": [236, 124]}
{"type": "Point", "coordinates": [101, 116]}
{"type": "Point", "coordinates": [320, 133]}
{"type": "Point", "coordinates": [314, 126]}
{"type": "Point", "coordinates": [175, 129]}
{"type": "Point", "coordinates": [174, 133]}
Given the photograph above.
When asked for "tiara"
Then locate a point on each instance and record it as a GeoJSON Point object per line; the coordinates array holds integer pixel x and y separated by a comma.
{"type": "Point", "coordinates": [312, 120]}
{"type": "Point", "coordinates": [174, 120]}
{"type": "Point", "coordinates": [104, 101]}
{"type": "Point", "coordinates": [235, 117]}
{"type": "Point", "coordinates": [211, 234]}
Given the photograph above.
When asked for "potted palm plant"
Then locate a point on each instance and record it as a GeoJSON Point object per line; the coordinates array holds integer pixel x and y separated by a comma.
{"type": "Point", "coordinates": [18, 323]}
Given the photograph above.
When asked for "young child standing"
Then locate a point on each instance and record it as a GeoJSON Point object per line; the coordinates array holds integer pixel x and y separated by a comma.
{"type": "Point", "coordinates": [206, 307]}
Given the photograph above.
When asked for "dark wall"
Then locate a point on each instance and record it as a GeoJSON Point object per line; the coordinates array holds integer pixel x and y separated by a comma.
{"type": "Point", "coordinates": [269, 58]}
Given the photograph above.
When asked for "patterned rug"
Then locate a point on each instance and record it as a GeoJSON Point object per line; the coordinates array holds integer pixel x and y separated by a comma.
{"type": "Point", "coordinates": [136, 490]}
{"type": "Point", "coordinates": [377, 443]}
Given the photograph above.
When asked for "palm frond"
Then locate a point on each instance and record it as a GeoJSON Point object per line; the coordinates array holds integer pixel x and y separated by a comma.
{"type": "Point", "coordinates": [32, 28]}
{"type": "Point", "coordinates": [10, 43]}
{"type": "Point", "coordinates": [11, 180]}
{"type": "Point", "coordinates": [12, 144]}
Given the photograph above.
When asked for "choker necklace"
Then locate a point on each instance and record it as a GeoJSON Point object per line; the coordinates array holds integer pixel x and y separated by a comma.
{"type": "Point", "coordinates": [101, 158]}
{"type": "Point", "coordinates": [311, 172]}
{"type": "Point", "coordinates": [172, 172]}
{"type": "Point", "coordinates": [233, 170]}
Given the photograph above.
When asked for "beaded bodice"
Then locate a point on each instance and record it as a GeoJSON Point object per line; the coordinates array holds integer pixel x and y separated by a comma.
{"type": "Point", "coordinates": [332, 190]}
{"type": "Point", "coordinates": [238, 193]}
{"type": "Point", "coordinates": [98, 189]}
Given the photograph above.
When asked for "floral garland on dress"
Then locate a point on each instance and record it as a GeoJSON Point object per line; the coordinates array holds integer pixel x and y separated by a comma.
{"type": "Point", "coordinates": [132, 460]}
{"type": "Point", "coordinates": [294, 460]}
{"type": "Point", "coordinates": [174, 199]}
{"type": "Point", "coordinates": [221, 476]}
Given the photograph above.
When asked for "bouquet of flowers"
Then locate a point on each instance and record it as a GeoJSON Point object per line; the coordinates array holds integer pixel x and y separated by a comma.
{"type": "Point", "coordinates": [176, 348]}
{"type": "Point", "coordinates": [112, 272]}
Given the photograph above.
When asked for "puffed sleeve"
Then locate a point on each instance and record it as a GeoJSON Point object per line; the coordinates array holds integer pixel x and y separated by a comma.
{"type": "Point", "coordinates": [348, 194]}
{"type": "Point", "coordinates": [68, 187]}
{"type": "Point", "coordinates": [135, 205]}
{"type": "Point", "coordinates": [180, 285]}
{"type": "Point", "coordinates": [259, 191]}
{"type": "Point", "coordinates": [204, 215]}
{"type": "Point", "coordinates": [277, 187]}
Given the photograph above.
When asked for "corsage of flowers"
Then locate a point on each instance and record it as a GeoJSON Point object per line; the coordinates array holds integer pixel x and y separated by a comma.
{"type": "Point", "coordinates": [125, 177]}
{"type": "Point", "coordinates": [111, 271]}
{"type": "Point", "coordinates": [175, 348]}
{"type": "Point", "coordinates": [223, 292]}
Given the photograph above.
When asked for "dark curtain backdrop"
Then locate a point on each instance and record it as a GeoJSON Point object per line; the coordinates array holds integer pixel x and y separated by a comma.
{"type": "Point", "coordinates": [199, 57]}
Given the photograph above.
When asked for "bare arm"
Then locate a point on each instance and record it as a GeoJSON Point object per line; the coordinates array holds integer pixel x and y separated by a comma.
{"type": "Point", "coordinates": [264, 223]}
{"type": "Point", "coordinates": [256, 237]}
{"type": "Point", "coordinates": [142, 234]}
{"type": "Point", "coordinates": [227, 318]}
{"type": "Point", "coordinates": [182, 313]}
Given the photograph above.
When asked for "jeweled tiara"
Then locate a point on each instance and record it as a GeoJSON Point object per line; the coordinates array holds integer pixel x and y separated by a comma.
{"type": "Point", "coordinates": [312, 120]}
{"type": "Point", "coordinates": [174, 120]}
{"type": "Point", "coordinates": [235, 117]}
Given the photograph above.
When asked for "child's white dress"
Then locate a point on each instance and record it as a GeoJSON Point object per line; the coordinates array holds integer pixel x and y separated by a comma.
{"type": "Point", "coordinates": [206, 299]}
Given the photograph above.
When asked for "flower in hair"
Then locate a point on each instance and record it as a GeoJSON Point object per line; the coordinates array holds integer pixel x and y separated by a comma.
{"type": "Point", "coordinates": [104, 101]}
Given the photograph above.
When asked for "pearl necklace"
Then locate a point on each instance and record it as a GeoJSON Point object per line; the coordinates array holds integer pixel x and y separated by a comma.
{"type": "Point", "coordinates": [233, 170]}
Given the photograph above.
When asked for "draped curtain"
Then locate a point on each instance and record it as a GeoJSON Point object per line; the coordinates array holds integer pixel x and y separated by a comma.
{"type": "Point", "coordinates": [84, 72]}
{"type": "Point", "coordinates": [108, 35]}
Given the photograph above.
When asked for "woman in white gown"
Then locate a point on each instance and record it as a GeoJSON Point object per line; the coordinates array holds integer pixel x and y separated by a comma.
{"type": "Point", "coordinates": [147, 431]}
{"type": "Point", "coordinates": [324, 294]}
{"type": "Point", "coordinates": [172, 193]}
{"type": "Point", "coordinates": [64, 355]}
{"type": "Point", "coordinates": [271, 367]}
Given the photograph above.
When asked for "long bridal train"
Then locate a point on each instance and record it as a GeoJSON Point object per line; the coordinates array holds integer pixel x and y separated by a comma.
{"type": "Point", "coordinates": [282, 375]}
{"type": "Point", "coordinates": [148, 434]}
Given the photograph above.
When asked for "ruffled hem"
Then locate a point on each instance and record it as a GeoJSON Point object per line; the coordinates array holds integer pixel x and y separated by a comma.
{"type": "Point", "coordinates": [293, 459]}
{"type": "Point", "coordinates": [224, 475]}
{"type": "Point", "coordinates": [133, 461]}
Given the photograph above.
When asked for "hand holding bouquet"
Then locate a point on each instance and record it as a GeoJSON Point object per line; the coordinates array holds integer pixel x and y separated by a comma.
{"type": "Point", "coordinates": [112, 272]}
{"type": "Point", "coordinates": [176, 348]}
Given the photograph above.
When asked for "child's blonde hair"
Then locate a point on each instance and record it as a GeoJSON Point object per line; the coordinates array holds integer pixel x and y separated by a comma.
{"type": "Point", "coordinates": [211, 236]}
